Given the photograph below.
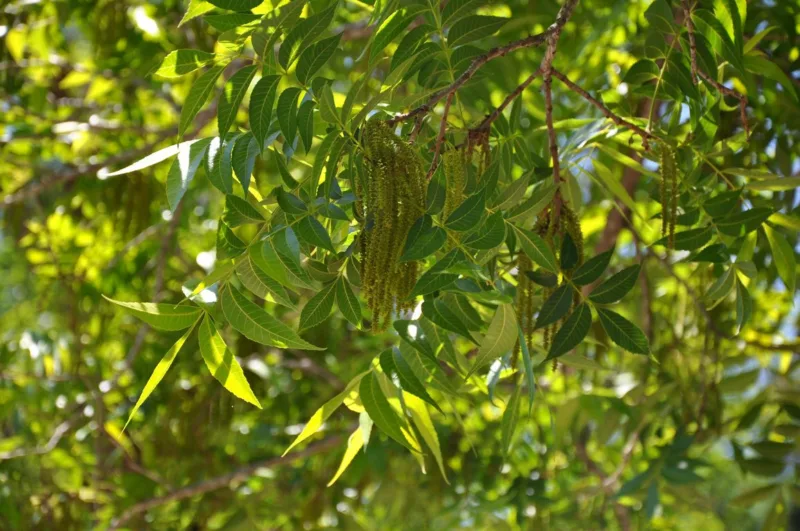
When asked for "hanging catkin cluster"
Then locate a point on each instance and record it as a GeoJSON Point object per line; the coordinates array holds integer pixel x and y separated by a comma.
{"type": "Point", "coordinates": [525, 289]}
{"type": "Point", "coordinates": [392, 198]}
{"type": "Point", "coordinates": [478, 142]}
{"type": "Point", "coordinates": [455, 180]}
{"type": "Point", "coordinates": [669, 194]}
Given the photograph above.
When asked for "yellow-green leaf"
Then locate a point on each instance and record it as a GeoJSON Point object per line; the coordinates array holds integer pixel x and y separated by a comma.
{"type": "Point", "coordinates": [222, 364]}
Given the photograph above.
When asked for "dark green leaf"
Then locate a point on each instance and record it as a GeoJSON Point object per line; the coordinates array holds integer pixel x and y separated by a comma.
{"type": "Point", "coordinates": [473, 28]}
{"type": "Point", "coordinates": [318, 308]}
{"type": "Point", "coordinates": [379, 409]}
{"type": "Point", "coordinates": [198, 95]}
{"type": "Point", "coordinates": [348, 302]}
{"type": "Point", "coordinates": [256, 324]}
{"type": "Point", "coordinates": [591, 270]}
{"type": "Point", "coordinates": [623, 332]}
{"type": "Point", "coordinates": [262, 101]}
{"type": "Point", "coordinates": [393, 362]}
{"type": "Point", "coordinates": [313, 233]}
{"type": "Point", "coordinates": [616, 287]}
{"type": "Point", "coordinates": [287, 113]}
{"type": "Point", "coordinates": [572, 331]}
{"type": "Point", "coordinates": [315, 57]}
{"type": "Point", "coordinates": [556, 306]}
{"type": "Point", "coordinates": [468, 213]}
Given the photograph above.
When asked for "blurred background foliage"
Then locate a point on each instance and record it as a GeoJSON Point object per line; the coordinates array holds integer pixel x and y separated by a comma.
{"type": "Point", "coordinates": [78, 99]}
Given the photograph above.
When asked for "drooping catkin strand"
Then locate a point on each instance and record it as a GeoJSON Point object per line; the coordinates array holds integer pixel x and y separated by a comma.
{"type": "Point", "coordinates": [669, 194]}
{"type": "Point", "coordinates": [455, 179]}
{"type": "Point", "coordinates": [393, 199]}
{"type": "Point", "coordinates": [525, 298]}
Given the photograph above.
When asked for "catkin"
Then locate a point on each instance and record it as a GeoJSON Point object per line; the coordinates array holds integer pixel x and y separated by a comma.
{"type": "Point", "coordinates": [455, 180]}
{"type": "Point", "coordinates": [391, 199]}
{"type": "Point", "coordinates": [669, 194]}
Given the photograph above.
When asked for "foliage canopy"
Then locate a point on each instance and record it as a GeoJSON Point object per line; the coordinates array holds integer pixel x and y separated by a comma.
{"type": "Point", "coordinates": [490, 265]}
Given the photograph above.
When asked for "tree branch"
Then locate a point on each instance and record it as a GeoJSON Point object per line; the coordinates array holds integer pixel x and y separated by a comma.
{"type": "Point", "coordinates": [224, 480]}
{"type": "Point", "coordinates": [646, 136]}
{"type": "Point", "coordinates": [696, 71]}
{"type": "Point", "coordinates": [531, 41]}
{"type": "Point", "coordinates": [487, 122]}
{"type": "Point", "coordinates": [440, 137]}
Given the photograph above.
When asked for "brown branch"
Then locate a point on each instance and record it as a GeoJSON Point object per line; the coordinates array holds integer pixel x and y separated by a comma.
{"type": "Point", "coordinates": [440, 137]}
{"type": "Point", "coordinates": [646, 136]}
{"type": "Point", "coordinates": [222, 481]}
{"type": "Point", "coordinates": [531, 41]}
{"type": "Point", "coordinates": [696, 71]}
{"type": "Point", "coordinates": [55, 438]}
{"type": "Point", "coordinates": [487, 122]}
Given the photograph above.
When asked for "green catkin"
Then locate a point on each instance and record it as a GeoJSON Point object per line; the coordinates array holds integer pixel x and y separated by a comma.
{"type": "Point", "coordinates": [673, 207]}
{"type": "Point", "coordinates": [669, 194]}
{"type": "Point", "coordinates": [525, 299]}
{"type": "Point", "coordinates": [455, 179]}
{"type": "Point", "coordinates": [394, 197]}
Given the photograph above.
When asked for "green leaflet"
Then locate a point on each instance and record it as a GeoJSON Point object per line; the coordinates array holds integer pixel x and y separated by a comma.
{"type": "Point", "coordinates": [508, 425]}
{"type": "Point", "coordinates": [380, 411]}
{"type": "Point", "coordinates": [354, 444]}
{"type": "Point", "coordinates": [572, 331]}
{"type": "Point", "coordinates": [455, 10]}
{"type": "Point", "coordinates": [287, 113]}
{"type": "Point", "coordinates": [592, 269]}
{"type": "Point", "coordinates": [424, 244]}
{"type": "Point", "coordinates": [228, 244]}
{"type": "Point", "coordinates": [318, 308]}
{"type": "Point", "coordinates": [313, 233]}
{"type": "Point", "coordinates": [315, 57]}
{"type": "Point", "coordinates": [323, 413]}
{"type": "Point", "coordinates": [473, 28]}
{"type": "Point", "coordinates": [219, 162]}
{"type": "Point", "coordinates": [262, 101]}
{"type": "Point", "coordinates": [154, 158]}
{"type": "Point", "coordinates": [468, 213]}
{"type": "Point", "coordinates": [183, 170]}
{"type": "Point", "coordinates": [198, 95]}
{"type": "Point", "coordinates": [254, 323]}
{"type": "Point", "coordinates": [347, 302]}
{"type": "Point", "coordinates": [239, 212]}
{"type": "Point", "coordinates": [162, 316]}
{"type": "Point", "coordinates": [181, 62]}
{"type": "Point", "coordinates": [305, 123]}
{"type": "Point", "coordinates": [556, 306]}
{"type": "Point", "coordinates": [784, 257]}
{"type": "Point", "coordinates": [258, 282]}
{"type": "Point", "coordinates": [243, 159]}
{"type": "Point", "coordinates": [222, 363]}
{"type": "Point", "coordinates": [500, 337]}
{"type": "Point", "coordinates": [422, 420]}
{"type": "Point", "coordinates": [528, 363]}
{"type": "Point", "coordinates": [230, 21]}
{"type": "Point", "coordinates": [302, 33]}
{"type": "Point", "coordinates": [623, 332]}
{"type": "Point", "coordinates": [236, 5]}
{"type": "Point", "coordinates": [491, 234]}
{"type": "Point", "coordinates": [536, 249]}
{"type": "Point", "coordinates": [393, 362]}
{"type": "Point", "coordinates": [158, 373]}
{"type": "Point", "coordinates": [744, 305]}
{"type": "Point", "coordinates": [617, 286]}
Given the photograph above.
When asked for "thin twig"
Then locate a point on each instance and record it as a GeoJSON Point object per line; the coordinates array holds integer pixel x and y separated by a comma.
{"type": "Point", "coordinates": [531, 41]}
{"type": "Point", "coordinates": [487, 122]}
{"type": "Point", "coordinates": [440, 137]}
{"type": "Point", "coordinates": [696, 71]}
{"type": "Point", "coordinates": [224, 480]}
{"type": "Point", "coordinates": [687, 17]}
{"type": "Point", "coordinates": [646, 136]}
